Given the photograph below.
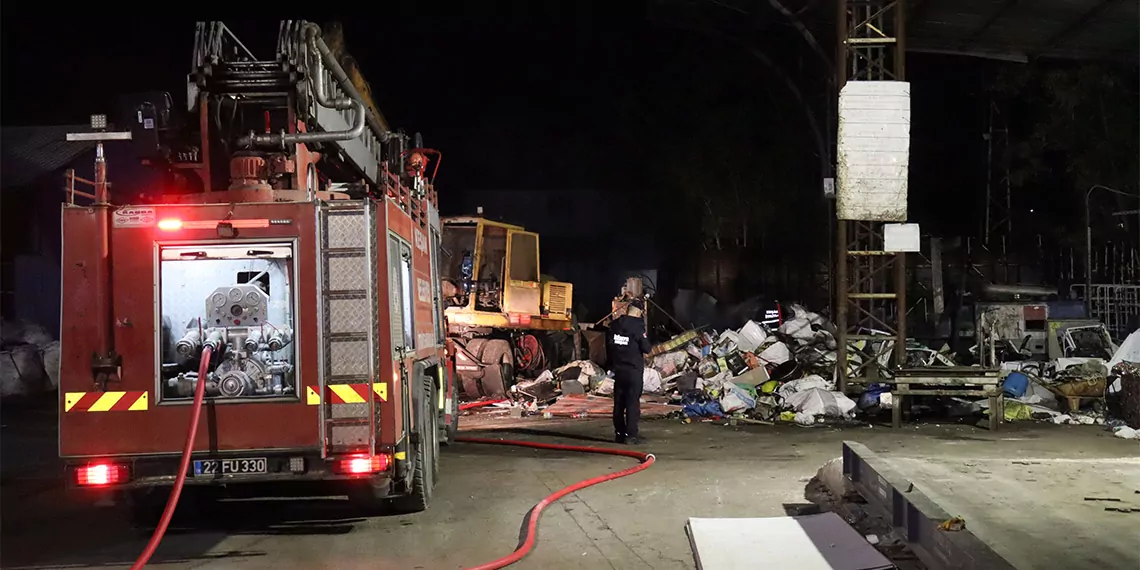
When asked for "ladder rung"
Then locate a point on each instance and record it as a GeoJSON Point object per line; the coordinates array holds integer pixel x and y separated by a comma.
{"type": "Point", "coordinates": [346, 295]}
{"type": "Point", "coordinates": [348, 336]}
{"type": "Point", "coordinates": [342, 252]}
{"type": "Point", "coordinates": [348, 379]}
{"type": "Point", "coordinates": [347, 422]}
{"type": "Point", "coordinates": [341, 449]}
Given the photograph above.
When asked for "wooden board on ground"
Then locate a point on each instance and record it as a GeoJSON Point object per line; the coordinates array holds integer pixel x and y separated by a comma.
{"type": "Point", "coordinates": [579, 405]}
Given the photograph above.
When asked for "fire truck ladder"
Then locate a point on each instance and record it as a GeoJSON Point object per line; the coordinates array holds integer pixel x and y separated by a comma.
{"type": "Point", "coordinates": [223, 64]}
{"type": "Point", "coordinates": [349, 359]}
{"type": "Point", "coordinates": [365, 153]}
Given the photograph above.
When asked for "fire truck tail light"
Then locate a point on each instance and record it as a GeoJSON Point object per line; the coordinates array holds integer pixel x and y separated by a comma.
{"type": "Point", "coordinates": [170, 224]}
{"type": "Point", "coordinates": [101, 474]}
{"type": "Point", "coordinates": [362, 464]}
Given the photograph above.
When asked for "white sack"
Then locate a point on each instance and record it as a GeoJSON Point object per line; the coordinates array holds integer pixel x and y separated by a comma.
{"type": "Point", "coordinates": [650, 381]}
{"type": "Point", "coordinates": [734, 399]}
{"type": "Point", "coordinates": [751, 336]}
{"type": "Point", "coordinates": [806, 383]}
{"type": "Point", "coordinates": [776, 353]}
{"type": "Point", "coordinates": [820, 402]}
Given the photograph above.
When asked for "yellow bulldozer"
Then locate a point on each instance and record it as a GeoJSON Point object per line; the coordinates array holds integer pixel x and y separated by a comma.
{"type": "Point", "coordinates": [498, 305]}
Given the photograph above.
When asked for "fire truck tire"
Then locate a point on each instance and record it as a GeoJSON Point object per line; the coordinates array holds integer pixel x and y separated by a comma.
{"type": "Point", "coordinates": [426, 454]}
{"type": "Point", "coordinates": [499, 368]}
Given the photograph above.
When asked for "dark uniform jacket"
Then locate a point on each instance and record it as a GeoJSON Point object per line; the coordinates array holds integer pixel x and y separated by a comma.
{"type": "Point", "coordinates": [626, 345]}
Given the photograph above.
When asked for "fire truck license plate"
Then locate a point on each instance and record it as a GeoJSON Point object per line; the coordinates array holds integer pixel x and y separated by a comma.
{"type": "Point", "coordinates": [251, 466]}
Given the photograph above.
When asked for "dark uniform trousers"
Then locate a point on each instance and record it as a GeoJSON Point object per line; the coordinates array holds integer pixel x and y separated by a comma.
{"type": "Point", "coordinates": [627, 400]}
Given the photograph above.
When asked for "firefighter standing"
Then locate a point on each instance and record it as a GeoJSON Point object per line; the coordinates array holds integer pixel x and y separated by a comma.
{"type": "Point", "coordinates": [626, 347]}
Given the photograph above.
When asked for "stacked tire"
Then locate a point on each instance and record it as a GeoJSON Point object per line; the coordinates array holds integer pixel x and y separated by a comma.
{"type": "Point", "coordinates": [498, 364]}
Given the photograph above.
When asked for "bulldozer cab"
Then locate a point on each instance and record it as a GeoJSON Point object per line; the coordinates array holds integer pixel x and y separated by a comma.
{"type": "Point", "coordinates": [494, 267]}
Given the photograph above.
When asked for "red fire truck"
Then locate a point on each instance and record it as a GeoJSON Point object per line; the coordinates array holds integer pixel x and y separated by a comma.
{"type": "Point", "coordinates": [288, 275]}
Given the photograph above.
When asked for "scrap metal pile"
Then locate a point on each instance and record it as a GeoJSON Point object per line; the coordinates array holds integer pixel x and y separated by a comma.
{"type": "Point", "coordinates": [1099, 385]}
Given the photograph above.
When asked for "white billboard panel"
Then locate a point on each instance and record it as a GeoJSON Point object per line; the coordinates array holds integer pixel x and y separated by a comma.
{"type": "Point", "coordinates": [874, 151]}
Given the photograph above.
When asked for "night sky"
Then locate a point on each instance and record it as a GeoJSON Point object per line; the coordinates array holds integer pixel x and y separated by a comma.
{"type": "Point", "coordinates": [641, 109]}
{"type": "Point", "coordinates": [559, 98]}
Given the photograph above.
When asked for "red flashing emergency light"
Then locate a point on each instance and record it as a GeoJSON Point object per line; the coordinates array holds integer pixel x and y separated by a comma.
{"type": "Point", "coordinates": [175, 224]}
{"type": "Point", "coordinates": [170, 224]}
{"type": "Point", "coordinates": [363, 464]}
{"type": "Point", "coordinates": [101, 474]}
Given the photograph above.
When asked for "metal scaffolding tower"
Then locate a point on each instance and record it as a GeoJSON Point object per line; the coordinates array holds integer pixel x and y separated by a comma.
{"type": "Point", "coordinates": [999, 210]}
{"type": "Point", "coordinates": [871, 45]}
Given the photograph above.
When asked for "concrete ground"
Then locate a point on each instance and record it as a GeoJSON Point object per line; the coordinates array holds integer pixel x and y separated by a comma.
{"type": "Point", "coordinates": [1039, 509]}
{"type": "Point", "coordinates": [703, 470]}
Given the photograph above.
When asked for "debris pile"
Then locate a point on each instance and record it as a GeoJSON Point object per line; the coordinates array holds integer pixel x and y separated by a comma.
{"type": "Point", "coordinates": [1078, 390]}
{"type": "Point", "coordinates": [782, 368]}
{"type": "Point", "coordinates": [782, 371]}
{"type": "Point", "coordinates": [778, 370]}
{"type": "Point", "coordinates": [29, 360]}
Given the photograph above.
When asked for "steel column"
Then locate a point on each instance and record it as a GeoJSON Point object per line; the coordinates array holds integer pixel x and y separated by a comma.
{"type": "Point", "coordinates": [999, 209]}
{"type": "Point", "coordinates": [871, 46]}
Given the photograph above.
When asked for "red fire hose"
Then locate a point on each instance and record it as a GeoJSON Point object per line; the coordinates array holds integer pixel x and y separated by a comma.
{"type": "Point", "coordinates": [524, 547]}
{"type": "Point", "coordinates": [191, 433]}
{"type": "Point", "coordinates": [479, 404]}
{"type": "Point", "coordinates": [527, 544]}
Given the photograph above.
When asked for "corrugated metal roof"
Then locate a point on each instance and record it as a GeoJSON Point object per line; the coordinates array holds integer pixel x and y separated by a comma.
{"type": "Point", "coordinates": [32, 152]}
{"type": "Point", "coordinates": [1025, 29]}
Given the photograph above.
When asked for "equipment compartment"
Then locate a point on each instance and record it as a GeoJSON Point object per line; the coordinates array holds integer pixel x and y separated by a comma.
{"type": "Point", "coordinates": [237, 298]}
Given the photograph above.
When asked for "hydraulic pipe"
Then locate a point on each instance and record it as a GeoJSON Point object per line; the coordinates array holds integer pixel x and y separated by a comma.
{"type": "Point", "coordinates": [104, 307]}
{"type": "Point", "coordinates": [320, 55]}
{"type": "Point", "coordinates": [313, 36]}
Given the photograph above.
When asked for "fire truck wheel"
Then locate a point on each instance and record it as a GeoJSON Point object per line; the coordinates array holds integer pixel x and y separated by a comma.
{"type": "Point", "coordinates": [426, 454]}
{"type": "Point", "coordinates": [499, 368]}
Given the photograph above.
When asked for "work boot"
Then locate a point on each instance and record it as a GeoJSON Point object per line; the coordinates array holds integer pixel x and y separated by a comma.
{"type": "Point", "coordinates": [619, 438]}
{"type": "Point", "coordinates": [635, 440]}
